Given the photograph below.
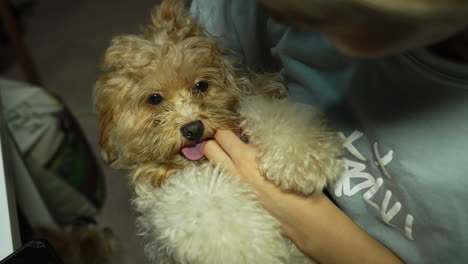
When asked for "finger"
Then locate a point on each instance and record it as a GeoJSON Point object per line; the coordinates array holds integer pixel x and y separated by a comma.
{"type": "Point", "coordinates": [231, 143]}
{"type": "Point", "coordinates": [217, 155]}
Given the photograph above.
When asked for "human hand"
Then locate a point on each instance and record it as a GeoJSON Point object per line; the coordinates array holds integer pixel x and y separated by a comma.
{"type": "Point", "coordinates": [240, 159]}
{"type": "Point", "coordinates": [235, 156]}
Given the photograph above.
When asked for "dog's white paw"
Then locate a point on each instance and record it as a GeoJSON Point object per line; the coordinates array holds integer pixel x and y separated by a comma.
{"type": "Point", "coordinates": [296, 150]}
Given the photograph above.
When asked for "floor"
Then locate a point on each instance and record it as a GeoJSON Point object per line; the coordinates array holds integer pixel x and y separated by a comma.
{"type": "Point", "coordinates": [67, 40]}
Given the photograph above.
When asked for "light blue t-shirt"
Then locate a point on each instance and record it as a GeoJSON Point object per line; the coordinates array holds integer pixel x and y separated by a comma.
{"type": "Point", "coordinates": [403, 118]}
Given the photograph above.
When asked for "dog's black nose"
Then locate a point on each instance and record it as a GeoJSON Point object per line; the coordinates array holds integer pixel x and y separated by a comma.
{"type": "Point", "coordinates": [193, 131]}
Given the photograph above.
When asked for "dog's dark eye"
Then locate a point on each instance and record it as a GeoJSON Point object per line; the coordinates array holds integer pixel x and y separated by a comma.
{"type": "Point", "coordinates": [201, 86]}
{"type": "Point", "coordinates": [155, 99]}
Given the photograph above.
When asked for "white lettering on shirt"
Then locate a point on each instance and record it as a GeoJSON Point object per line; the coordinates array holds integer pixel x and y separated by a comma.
{"type": "Point", "coordinates": [387, 210]}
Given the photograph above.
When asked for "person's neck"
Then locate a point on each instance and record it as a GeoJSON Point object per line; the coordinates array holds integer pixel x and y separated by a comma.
{"type": "Point", "coordinates": [454, 48]}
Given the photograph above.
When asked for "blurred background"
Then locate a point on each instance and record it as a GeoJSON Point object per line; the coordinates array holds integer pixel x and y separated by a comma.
{"type": "Point", "coordinates": [66, 41]}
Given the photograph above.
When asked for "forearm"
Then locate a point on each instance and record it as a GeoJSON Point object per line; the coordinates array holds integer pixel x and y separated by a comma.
{"type": "Point", "coordinates": [314, 223]}
{"type": "Point", "coordinates": [321, 229]}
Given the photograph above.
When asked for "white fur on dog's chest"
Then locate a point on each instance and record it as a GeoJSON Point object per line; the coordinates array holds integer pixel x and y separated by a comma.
{"type": "Point", "coordinates": [204, 215]}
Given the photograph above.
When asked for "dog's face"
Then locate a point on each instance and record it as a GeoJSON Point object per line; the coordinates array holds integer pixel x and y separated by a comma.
{"type": "Point", "coordinates": [164, 94]}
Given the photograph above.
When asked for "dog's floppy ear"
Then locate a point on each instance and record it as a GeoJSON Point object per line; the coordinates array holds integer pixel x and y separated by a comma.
{"type": "Point", "coordinates": [123, 61]}
{"type": "Point", "coordinates": [106, 101]}
{"type": "Point", "coordinates": [171, 23]}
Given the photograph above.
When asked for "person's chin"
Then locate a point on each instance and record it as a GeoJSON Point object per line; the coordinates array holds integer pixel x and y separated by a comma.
{"type": "Point", "coordinates": [366, 51]}
{"type": "Point", "coordinates": [368, 48]}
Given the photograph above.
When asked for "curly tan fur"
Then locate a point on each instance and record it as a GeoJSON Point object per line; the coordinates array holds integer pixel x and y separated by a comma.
{"type": "Point", "coordinates": [168, 58]}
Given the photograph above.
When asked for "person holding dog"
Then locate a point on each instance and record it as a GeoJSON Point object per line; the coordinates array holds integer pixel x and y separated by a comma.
{"type": "Point", "coordinates": [392, 76]}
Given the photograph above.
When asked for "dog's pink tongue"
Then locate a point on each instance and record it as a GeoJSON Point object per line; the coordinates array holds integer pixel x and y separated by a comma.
{"type": "Point", "coordinates": [195, 152]}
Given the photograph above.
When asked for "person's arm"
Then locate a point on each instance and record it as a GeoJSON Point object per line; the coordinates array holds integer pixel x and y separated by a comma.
{"type": "Point", "coordinates": [314, 223]}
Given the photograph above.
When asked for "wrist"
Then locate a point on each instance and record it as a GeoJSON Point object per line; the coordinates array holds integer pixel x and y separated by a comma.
{"type": "Point", "coordinates": [319, 228]}
{"type": "Point", "coordinates": [288, 207]}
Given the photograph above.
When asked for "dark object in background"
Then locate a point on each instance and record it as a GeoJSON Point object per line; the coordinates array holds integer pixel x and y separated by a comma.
{"type": "Point", "coordinates": [20, 10]}
{"type": "Point", "coordinates": [9, 20]}
{"type": "Point", "coordinates": [36, 251]}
